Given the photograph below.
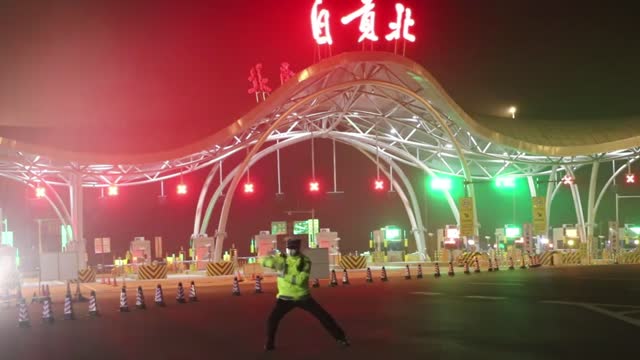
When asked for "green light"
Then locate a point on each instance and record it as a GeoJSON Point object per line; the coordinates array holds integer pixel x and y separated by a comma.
{"type": "Point", "coordinates": [442, 184]}
{"type": "Point", "coordinates": [635, 229]}
{"type": "Point", "coordinates": [506, 181]}
{"type": "Point", "coordinates": [392, 233]}
{"type": "Point", "coordinates": [512, 231]}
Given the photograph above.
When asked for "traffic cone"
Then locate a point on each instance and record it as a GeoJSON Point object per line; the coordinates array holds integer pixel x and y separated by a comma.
{"type": "Point", "coordinates": [451, 272]}
{"type": "Point", "coordinates": [551, 260]}
{"type": "Point", "coordinates": [235, 291]}
{"type": "Point", "coordinates": [466, 268]}
{"type": "Point", "coordinates": [23, 314]}
{"type": "Point", "coordinates": [496, 266]}
{"type": "Point", "coordinates": [103, 281]}
{"type": "Point", "coordinates": [334, 279]}
{"type": "Point", "coordinates": [258, 286]}
{"type": "Point", "coordinates": [47, 312]}
{"type": "Point", "coordinates": [316, 283]}
{"type": "Point", "coordinates": [140, 299]}
{"type": "Point", "coordinates": [115, 281]}
{"type": "Point", "coordinates": [383, 276]}
{"type": "Point", "coordinates": [180, 294]}
{"type": "Point", "coordinates": [477, 264]}
{"type": "Point", "coordinates": [159, 298]}
{"type": "Point", "coordinates": [93, 308]}
{"type": "Point", "coordinates": [407, 273]}
{"type": "Point", "coordinates": [523, 266]}
{"type": "Point", "coordinates": [511, 267]}
{"type": "Point", "coordinates": [345, 277]}
{"type": "Point", "coordinates": [369, 277]}
{"type": "Point", "coordinates": [437, 270]}
{"type": "Point", "coordinates": [68, 308]}
{"type": "Point", "coordinates": [78, 293]}
{"type": "Point", "coordinates": [490, 265]}
{"type": "Point", "coordinates": [109, 280]}
{"type": "Point", "coordinates": [34, 297]}
{"type": "Point", "coordinates": [68, 293]}
{"type": "Point", "coordinates": [419, 276]}
{"type": "Point", "coordinates": [124, 303]}
{"type": "Point", "coordinates": [193, 296]}
{"type": "Point", "coordinates": [47, 291]}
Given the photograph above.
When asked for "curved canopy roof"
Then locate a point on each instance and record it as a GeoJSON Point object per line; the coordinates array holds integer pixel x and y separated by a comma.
{"type": "Point", "coordinates": [364, 94]}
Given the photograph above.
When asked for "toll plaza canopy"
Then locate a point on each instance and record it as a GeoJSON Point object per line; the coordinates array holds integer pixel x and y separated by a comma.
{"type": "Point", "coordinates": [374, 101]}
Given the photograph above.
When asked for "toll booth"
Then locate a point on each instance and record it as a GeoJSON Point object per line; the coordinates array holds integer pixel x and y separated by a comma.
{"type": "Point", "coordinates": [327, 239]}
{"type": "Point", "coordinates": [140, 249]}
{"type": "Point", "coordinates": [388, 244]}
{"type": "Point", "coordinates": [202, 251]}
{"type": "Point", "coordinates": [265, 243]}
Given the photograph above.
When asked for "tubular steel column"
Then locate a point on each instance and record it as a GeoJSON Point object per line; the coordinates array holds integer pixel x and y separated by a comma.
{"type": "Point", "coordinates": [590, 209]}
{"type": "Point", "coordinates": [76, 201]}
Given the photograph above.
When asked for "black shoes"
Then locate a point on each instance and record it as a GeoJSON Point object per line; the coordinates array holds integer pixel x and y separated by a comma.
{"type": "Point", "coordinates": [344, 343]}
{"type": "Point", "coordinates": [269, 347]}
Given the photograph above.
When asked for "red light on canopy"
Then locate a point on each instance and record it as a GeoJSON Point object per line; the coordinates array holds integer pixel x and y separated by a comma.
{"type": "Point", "coordinates": [378, 184]}
{"type": "Point", "coordinates": [113, 190]}
{"type": "Point", "coordinates": [631, 178]}
{"type": "Point", "coordinates": [40, 192]}
{"type": "Point", "coordinates": [248, 188]}
{"type": "Point", "coordinates": [314, 186]}
{"type": "Point", "coordinates": [181, 189]}
{"type": "Point", "coordinates": [567, 180]}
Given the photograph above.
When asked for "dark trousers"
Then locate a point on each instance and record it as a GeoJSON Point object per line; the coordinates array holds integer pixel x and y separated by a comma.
{"type": "Point", "coordinates": [310, 305]}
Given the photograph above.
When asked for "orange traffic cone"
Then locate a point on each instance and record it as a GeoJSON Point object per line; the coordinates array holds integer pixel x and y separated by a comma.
{"type": "Point", "coordinates": [511, 267]}
{"type": "Point", "coordinates": [383, 276]}
{"type": "Point", "coordinates": [334, 279]}
{"type": "Point", "coordinates": [407, 273]}
{"type": "Point", "coordinates": [436, 270]}
{"type": "Point", "coordinates": [490, 265]}
{"type": "Point", "coordinates": [451, 272]}
{"type": "Point", "coordinates": [235, 291]}
{"type": "Point", "coordinates": [23, 314]}
{"type": "Point", "coordinates": [477, 264]}
{"type": "Point", "coordinates": [466, 268]}
{"type": "Point", "coordinates": [345, 277]}
{"type": "Point", "coordinates": [369, 277]}
{"type": "Point", "coordinates": [316, 283]}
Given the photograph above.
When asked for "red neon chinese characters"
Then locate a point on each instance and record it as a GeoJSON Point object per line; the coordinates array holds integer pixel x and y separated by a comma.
{"type": "Point", "coordinates": [367, 20]}
{"type": "Point", "coordinates": [399, 25]}
{"type": "Point", "coordinates": [320, 24]}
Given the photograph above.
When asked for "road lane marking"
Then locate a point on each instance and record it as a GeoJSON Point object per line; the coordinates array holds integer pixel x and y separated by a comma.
{"type": "Point", "coordinates": [596, 308]}
{"type": "Point", "coordinates": [425, 293]}
{"type": "Point", "coordinates": [485, 297]}
{"type": "Point", "coordinates": [495, 283]}
{"type": "Point", "coordinates": [630, 312]}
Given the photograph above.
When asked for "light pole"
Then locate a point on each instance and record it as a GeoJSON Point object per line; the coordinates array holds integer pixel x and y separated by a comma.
{"type": "Point", "coordinates": [512, 111]}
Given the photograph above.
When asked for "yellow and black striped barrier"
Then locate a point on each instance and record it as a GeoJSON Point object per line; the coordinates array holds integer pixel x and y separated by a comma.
{"type": "Point", "coordinates": [219, 268]}
{"type": "Point", "coordinates": [148, 272]}
{"type": "Point", "coordinates": [353, 262]}
{"type": "Point", "coordinates": [468, 256]}
{"type": "Point", "coordinates": [572, 258]}
{"type": "Point", "coordinates": [629, 257]}
{"type": "Point", "coordinates": [545, 258]}
{"type": "Point", "coordinates": [87, 275]}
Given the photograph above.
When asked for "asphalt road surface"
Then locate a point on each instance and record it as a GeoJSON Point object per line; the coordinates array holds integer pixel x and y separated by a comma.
{"type": "Point", "coordinates": [550, 313]}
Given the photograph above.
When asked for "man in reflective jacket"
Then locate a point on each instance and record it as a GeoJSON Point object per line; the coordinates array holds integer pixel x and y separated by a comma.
{"type": "Point", "coordinates": [293, 291]}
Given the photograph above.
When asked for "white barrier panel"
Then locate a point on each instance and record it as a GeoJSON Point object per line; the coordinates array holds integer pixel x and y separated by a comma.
{"type": "Point", "coordinates": [319, 263]}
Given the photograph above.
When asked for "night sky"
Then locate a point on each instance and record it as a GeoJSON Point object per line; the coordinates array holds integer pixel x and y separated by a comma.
{"type": "Point", "coordinates": [143, 76]}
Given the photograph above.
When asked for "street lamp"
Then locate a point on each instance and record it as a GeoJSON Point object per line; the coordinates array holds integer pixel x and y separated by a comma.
{"type": "Point", "coordinates": [512, 111]}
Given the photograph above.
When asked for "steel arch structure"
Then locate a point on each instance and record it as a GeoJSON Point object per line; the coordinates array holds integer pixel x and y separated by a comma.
{"type": "Point", "coordinates": [371, 100]}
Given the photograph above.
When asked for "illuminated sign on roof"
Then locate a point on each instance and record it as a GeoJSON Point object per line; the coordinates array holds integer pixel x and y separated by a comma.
{"type": "Point", "coordinates": [398, 29]}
